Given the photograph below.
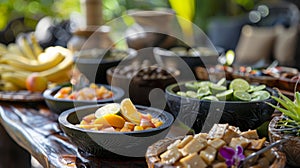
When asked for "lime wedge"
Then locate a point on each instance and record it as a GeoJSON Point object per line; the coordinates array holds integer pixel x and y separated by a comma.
{"type": "Point", "coordinates": [181, 94]}
{"type": "Point", "coordinates": [260, 95]}
{"type": "Point", "coordinates": [214, 88]}
{"type": "Point", "coordinates": [129, 112]}
{"type": "Point", "coordinates": [191, 94]}
{"type": "Point", "coordinates": [191, 85]}
{"type": "Point", "coordinates": [241, 96]}
{"type": "Point", "coordinates": [203, 91]}
{"type": "Point", "coordinates": [222, 82]}
{"type": "Point", "coordinates": [239, 84]}
{"type": "Point", "coordinates": [256, 88]}
{"type": "Point", "coordinates": [203, 84]}
{"type": "Point", "coordinates": [226, 95]}
{"type": "Point", "coordinates": [112, 108]}
{"type": "Point", "coordinates": [211, 97]}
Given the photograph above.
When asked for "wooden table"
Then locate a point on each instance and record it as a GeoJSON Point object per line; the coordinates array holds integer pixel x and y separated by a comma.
{"type": "Point", "coordinates": [35, 128]}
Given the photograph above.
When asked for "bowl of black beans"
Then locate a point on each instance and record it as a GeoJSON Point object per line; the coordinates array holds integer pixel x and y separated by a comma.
{"type": "Point", "coordinates": [139, 78]}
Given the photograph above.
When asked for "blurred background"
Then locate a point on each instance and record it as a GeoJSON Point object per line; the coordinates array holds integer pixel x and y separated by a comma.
{"type": "Point", "coordinates": [221, 20]}
{"type": "Point", "coordinates": [258, 31]}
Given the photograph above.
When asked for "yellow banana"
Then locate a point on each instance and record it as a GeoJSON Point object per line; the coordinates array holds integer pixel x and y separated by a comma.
{"type": "Point", "coordinates": [53, 61]}
{"type": "Point", "coordinates": [14, 49]}
{"type": "Point", "coordinates": [37, 49]}
{"type": "Point", "coordinates": [3, 49]}
{"type": "Point", "coordinates": [8, 86]}
{"type": "Point", "coordinates": [25, 47]}
{"type": "Point", "coordinates": [7, 68]}
{"type": "Point", "coordinates": [16, 57]}
{"type": "Point", "coordinates": [62, 68]}
{"type": "Point", "coordinates": [15, 78]}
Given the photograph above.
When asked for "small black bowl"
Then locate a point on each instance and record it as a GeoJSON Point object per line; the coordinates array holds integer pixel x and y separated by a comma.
{"type": "Point", "coordinates": [113, 144]}
{"type": "Point", "coordinates": [59, 105]}
{"type": "Point", "coordinates": [93, 63]}
{"type": "Point", "coordinates": [202, 114]}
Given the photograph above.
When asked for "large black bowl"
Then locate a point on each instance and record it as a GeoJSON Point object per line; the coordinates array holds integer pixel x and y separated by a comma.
{"type": "Point", "coordinates": [57, 105]}
{"type": "Point", "coordinates": [94, 63]}
{"type": "Point", "coordinates": [113, 144]}
{"type": "Point", "coordinates": [202, 114]}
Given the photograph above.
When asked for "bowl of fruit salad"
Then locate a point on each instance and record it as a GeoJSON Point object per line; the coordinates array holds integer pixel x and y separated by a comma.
{"type": "Point", "coordinates": [200, 104]}
{"type": "Point", "coordinates": [62, 98]}
{"type": "Point", "coordinates": [115, 129]}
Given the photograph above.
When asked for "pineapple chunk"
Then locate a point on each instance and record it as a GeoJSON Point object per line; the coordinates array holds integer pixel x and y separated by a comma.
{"type": "Point", "coordinates": [185, 140]}
{"type": "Point", "coordinates": [174, 144]}
{"type": "Point", "coordinates": [193, 161]}
{"type": "Point", "coordinates": [217, 131]}
{"type": "Point", "coordinates": [257, 144]}
{"type": "Point", "coordinates": [243, 142]}
{"type": "Point", "coordinates": [170, 156]}
{"type": "Point", "coordinates": [251, 134]}
{"type": "Point", "coordinates": [229, 134]}
{"type": "Point", "coordinates": [208, 154]}
{"type": "Point", "coordinates": [217, 143]}
{"type": "Point", "coordinates": [220, 165]}
{"type": "Point", "coordinates": [195, 145]}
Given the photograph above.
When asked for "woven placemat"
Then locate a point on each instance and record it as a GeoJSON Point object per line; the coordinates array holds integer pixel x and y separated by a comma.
{"type": "Point", "coordinates": [21, 96]}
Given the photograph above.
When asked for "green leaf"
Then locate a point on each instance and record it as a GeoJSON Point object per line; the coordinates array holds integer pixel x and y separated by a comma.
{"type": "Point", "coordinates": [285, 112]}
{"type": "Point", "coordinates": [288, 106]}
{"type": "Point", "coordinates": [297, 97]}
{"type": "Point", "coordinates": [286, 99]}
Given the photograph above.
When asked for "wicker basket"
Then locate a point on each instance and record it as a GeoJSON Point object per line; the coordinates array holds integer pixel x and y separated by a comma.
{"type": "Point", "coordinates": [291, 148]}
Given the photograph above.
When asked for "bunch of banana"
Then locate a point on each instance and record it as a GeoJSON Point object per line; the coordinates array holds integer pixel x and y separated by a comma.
{"type": "Point", "coordinates": [19, 60]}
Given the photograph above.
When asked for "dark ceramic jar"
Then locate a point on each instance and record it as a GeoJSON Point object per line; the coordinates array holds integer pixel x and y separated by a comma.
{"type": "Point", "coordinates": [152, 28]}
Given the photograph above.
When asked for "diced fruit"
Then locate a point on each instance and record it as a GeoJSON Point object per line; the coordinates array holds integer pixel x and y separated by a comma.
{"type": "Point", "coordinates": [129, 125]}
{"type": "Point", "coordinates": [89, 118]}
{"type": "Point", "coordinates": [239, 84]}
{"type": "Point", "coordinates": [138, 128]}
{"type": "Point", "coordinates": [101, 120]}
{"type": "Point", "coordinates": [114, 120]}
{"type": "Point", "coordinates": [146, 123]}
{"type": "Point", "coordinates": [90, 126]}
{"type": "Point", "coordinates": [112, 108]}
{"type": "Point", "coordinates": [129, 112]}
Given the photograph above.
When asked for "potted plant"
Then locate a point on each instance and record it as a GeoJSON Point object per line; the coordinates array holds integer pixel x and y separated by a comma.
{"type": "Point", "coordinates": [287, 126]}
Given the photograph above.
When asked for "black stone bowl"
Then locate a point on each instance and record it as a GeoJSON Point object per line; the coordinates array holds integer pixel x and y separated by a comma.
{"type": "Point", "coordinates": [202, 114]}
{"type": "Point", "coordinates": [113, 144]}
{"type": "Point", "coordinates": [59, 105]}
{"type": "Point", "coordinates": [94, 63]}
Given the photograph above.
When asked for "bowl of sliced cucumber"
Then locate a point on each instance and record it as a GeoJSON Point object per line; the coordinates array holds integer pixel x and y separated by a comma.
{"type": "Point", "coordinates": [200, 104]}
